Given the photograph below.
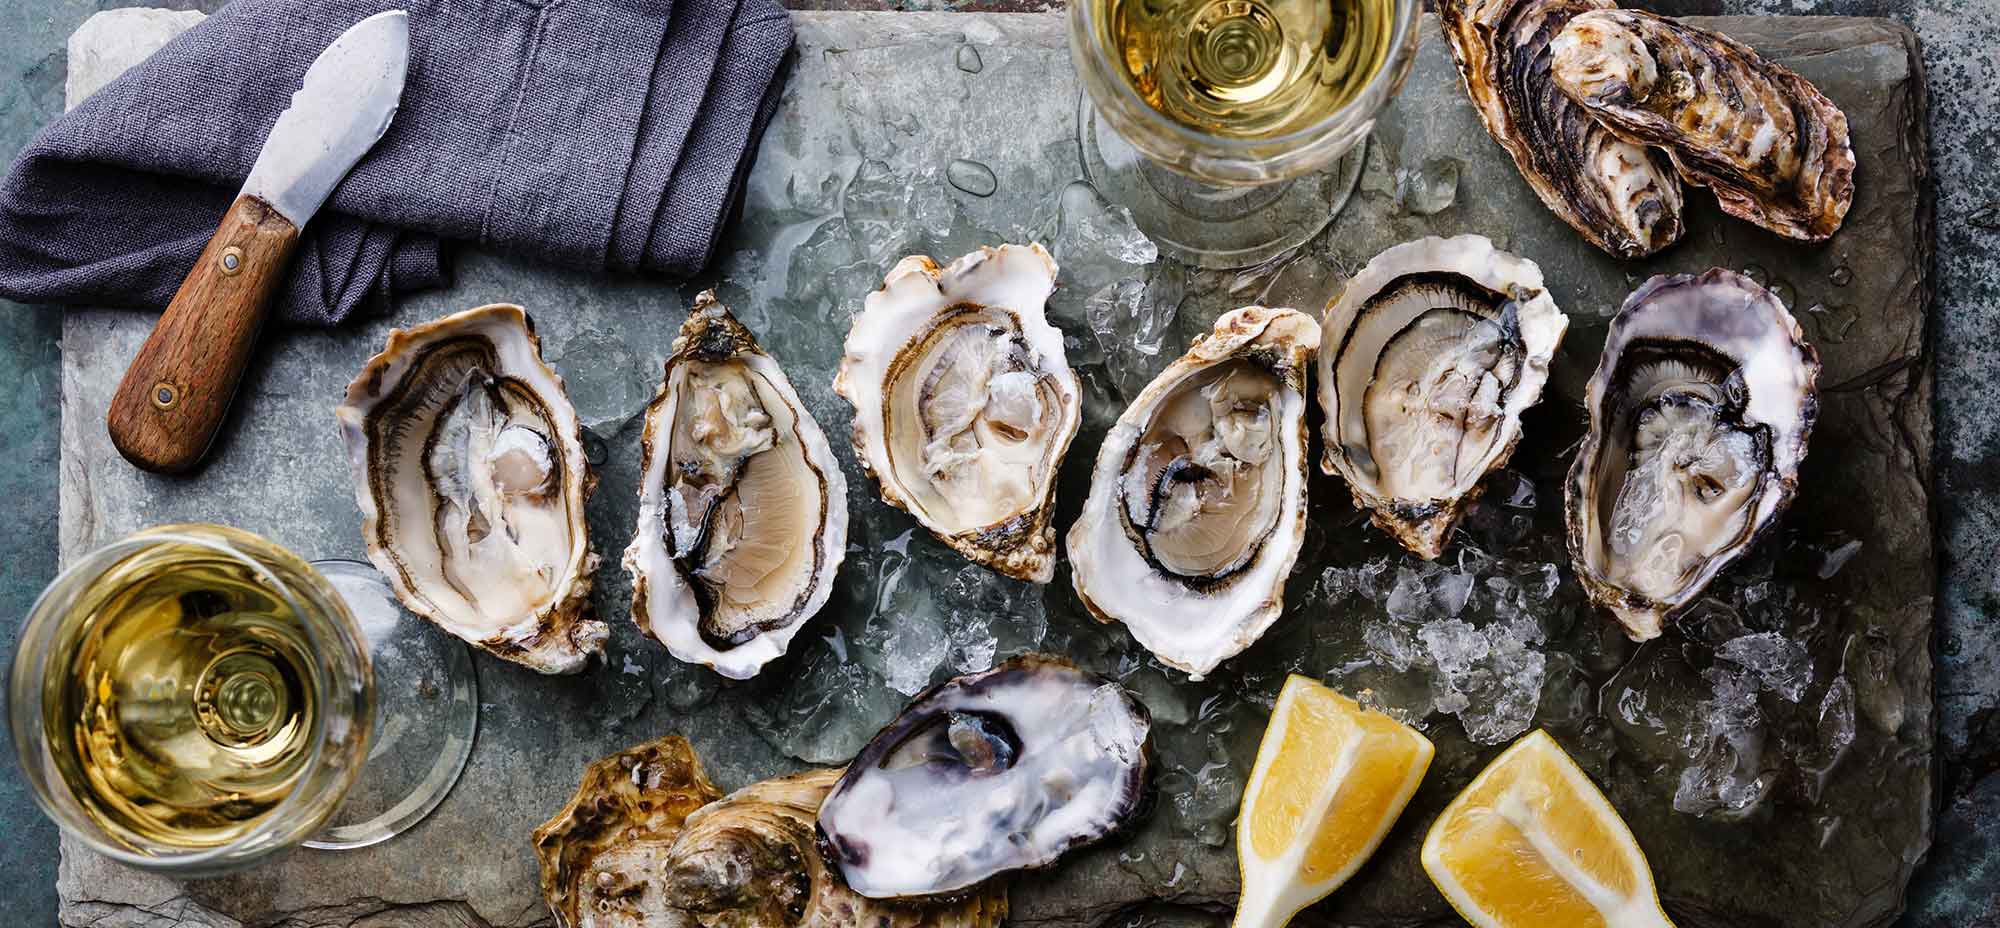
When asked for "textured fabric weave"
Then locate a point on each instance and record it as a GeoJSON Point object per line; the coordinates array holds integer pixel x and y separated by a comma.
{"type": "Point", "coordinates": [599, 134]}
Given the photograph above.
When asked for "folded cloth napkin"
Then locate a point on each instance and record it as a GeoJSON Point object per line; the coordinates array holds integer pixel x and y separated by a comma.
{"type": "Point", "coordinates": [599, 134]}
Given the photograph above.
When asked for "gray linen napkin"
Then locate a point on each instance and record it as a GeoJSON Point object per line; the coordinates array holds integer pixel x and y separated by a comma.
{"type": "Point", "coordinates": [600, 134]}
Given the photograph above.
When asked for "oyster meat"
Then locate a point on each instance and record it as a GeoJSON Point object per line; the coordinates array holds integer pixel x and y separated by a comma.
{"type": "Point", "coordinates": [1699, 414]}
{"type": "Point", "coordinates": [469, 470]}
{"type": "Point", "coordinates": [985, 774]}
{"type": "Point", "coordinates": [646, 843]}
{"type": "Point", "coordinates": [1197, 503]}
{"type": "Point", "coordinates": [742, 506]}
{"type": "Point", "coordinates": [964, 403]}
{"type": "Point", "coordinates": [1773, 148]}
{"type": "Point", "coordinates": [1427, 359]}
{"type": "Point", "coordinates": [1620, 196]}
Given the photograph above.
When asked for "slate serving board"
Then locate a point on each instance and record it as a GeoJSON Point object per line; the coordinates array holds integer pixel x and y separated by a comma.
{"type": "Point", "coordinates": [855, 172]}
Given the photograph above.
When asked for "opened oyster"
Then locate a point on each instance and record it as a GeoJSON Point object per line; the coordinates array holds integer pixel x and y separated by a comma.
{"type": "Point", "coordinates": [1427, 359]}
{"type": "Point", "coordinates": [1197, 503]}
{"type": "Point", "coordinates": [646, 843]}
{"type": "Point", "coordinates": [469, 470]}
{"type": "Point", "coordinates": [1773, 148]}
{"type": "Point", "coordinates": [742, 507]}
{"type": "Point", "coordinates": [985, 774]}
{"type": "Point", "coordinates": [1699, 414]}
{"type": "Point", "coordinates": [1621, 197]}
{"type": "Point", "coordinates": [964, 404]}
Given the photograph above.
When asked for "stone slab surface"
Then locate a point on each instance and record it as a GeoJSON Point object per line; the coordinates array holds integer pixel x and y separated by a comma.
{"type": "Point", "coordinates": [853, 174]}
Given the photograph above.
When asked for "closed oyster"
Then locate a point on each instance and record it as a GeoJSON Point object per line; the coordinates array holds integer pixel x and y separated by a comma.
{"type": "Point", "coordinates": [1197, 504]}
{"type": "Point", "coordinates": [469, 470]}
{"type": "Point", "coordinates": [964, 403]}
{"type": "Point", "coordinates": [1427, 359]}
{"type": "Point", "coordinates": [646, 843]}
{"type": "Point", "coordinates": [1621, 197]}
{"type": "Point", "coordinates": [1773, 148]}
{"type": "Point", "coordinates": [986, 774]}
{"type": "Point", "coordinates": [1699, 414]}
{"type": "Point", "coordinates": [742, 506]}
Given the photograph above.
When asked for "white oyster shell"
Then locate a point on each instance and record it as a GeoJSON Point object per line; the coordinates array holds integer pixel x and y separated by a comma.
{"type": "Point", "coordinates": [986, 774]}
{"type": "Point", "coordinates": [1427, 360]}
{"type": "Point", "coordinates": [469, 470]}
{"type": "Point", "coordinates": [1197, 503]}
{"type": "Point", "coordinates": [742, 505]}
{"type": "Point", "coordinates": [964, 403]}
{"type": "Point", "coordinates": [1700, 411]}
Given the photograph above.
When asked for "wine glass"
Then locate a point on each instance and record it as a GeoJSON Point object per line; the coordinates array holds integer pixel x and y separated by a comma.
{"type": "Point", "coordinates": [1232, 129]}
{"type": "Point", "coordinates": [194, 698]}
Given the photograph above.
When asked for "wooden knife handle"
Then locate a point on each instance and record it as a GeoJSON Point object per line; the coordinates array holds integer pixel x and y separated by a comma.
{"type": "Point", "coordinates": [177, 391]}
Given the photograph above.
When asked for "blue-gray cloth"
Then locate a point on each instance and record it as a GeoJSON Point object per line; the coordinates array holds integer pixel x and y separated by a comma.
{"type": "Point", "coordinates": [600, 134]}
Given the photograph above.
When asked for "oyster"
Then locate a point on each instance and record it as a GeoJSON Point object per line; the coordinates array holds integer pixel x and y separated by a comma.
{"type": "Point", "coordinates": [1699, 414]}
{"type": "Point", "coordinates": [646, 842]}
{"type": "Point", "coordinates": [742, 507]}
{"type": "Point", "coordinates": [964, 404]}
{"type": "Point", "coordinates": [469, 470]}
{"type": "Point", "coordinates": [985, 774]}
{"type": "Point", "coordinates": [1773, 148]}
{"type": "Point", "coordinates": [1197, 504]}
{"type": "Point", "coordinates": [1621, 197]}
{"type": "Point", "coordinates": [1427, 359]}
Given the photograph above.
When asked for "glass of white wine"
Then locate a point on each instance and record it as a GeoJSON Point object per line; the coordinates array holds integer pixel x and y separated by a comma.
{"type": "Point", "coordinates": [194, 698]}
{"type": "Point", "coordinates": [1232, 128]}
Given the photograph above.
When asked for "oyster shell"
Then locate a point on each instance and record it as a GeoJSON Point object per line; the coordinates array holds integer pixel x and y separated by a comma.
{"type": "Point", "coordinates": [985, 774]}
{"type": "Point", "coordinates": [1427, 359]}
{"type": "Point", "coordinates": [646, 843]}
{"type": "Point", "coordinates": [469, 470]}
{"type": "Point", "coordinates": [1621, 197]}
{"type": "Point", "coordinates": [1197, 503]}
{"type": "Point", "coordinates": [1773, 148]}
{"type": "Point", "coordinates": [742, 506]}
{"type": "Point", "coordinates": [964, 403]}
{"type": "Point", "coordinates": [1699, 414]}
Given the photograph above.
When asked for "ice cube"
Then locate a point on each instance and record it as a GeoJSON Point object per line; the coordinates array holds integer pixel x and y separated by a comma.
{"type": "Point", "coordinates": [1376, 579]}
{"type": "Point", "coordinates": [914, 650]}
{"type": "Point", "coordinates": [1389, 644]}
{"type": "Point", "coordinates": [1408, 598]}
{"type": "Point", "coordinates": [1453, 645]}
{"type": "Point", "coordinates": [1776, 663]}
{"type": "Point", "coordinates": [1451, 591]}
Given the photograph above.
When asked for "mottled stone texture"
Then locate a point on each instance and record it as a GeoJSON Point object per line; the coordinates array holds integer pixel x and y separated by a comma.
{"type": "Point", "coordinates": [854, 174]}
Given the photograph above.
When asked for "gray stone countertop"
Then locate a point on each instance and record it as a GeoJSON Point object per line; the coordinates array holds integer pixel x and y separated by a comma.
{"type": "Point", "coordinates": [1955, 887]}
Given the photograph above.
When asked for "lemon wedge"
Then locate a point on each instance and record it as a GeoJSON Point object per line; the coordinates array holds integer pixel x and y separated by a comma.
{"type": "Point", "coordinates": [1531, 842]}
{"type": "Point", "coordinates": [1330, 779]}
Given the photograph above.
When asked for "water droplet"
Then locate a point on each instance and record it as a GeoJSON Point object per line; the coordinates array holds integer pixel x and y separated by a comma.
{"type": "Point", "coordinates": [1987, 217]}
{"type": "Point", "coordinates": [1841, 275]}
{"type": "Point", "coordinates": [972, 177]}
{"type": "Point", "coordinates": [1430, 188]}
{"type": "Point", "coordinates": [1833, 323]}
{"type": "Point", "coordinates": [968, 59]}
{"type": "Point", "coordinates": [1756, 273]}
{"type": "Point", "coordinates": [1783, 291]}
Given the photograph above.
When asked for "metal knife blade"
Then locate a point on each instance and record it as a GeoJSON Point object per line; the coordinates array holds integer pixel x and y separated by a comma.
{"type": "Point", "coordinates": [345, 104]}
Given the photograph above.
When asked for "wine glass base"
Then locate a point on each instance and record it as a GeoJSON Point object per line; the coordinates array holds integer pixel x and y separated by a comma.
{"type": "Point", "coordinates": [1206, 226]}
{"type": "Point", "coordinates": [426, 714]}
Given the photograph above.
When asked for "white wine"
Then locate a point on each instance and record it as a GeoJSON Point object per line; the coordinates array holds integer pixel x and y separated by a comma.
{"type": "Point", "coordinates": [1247, 69]}
{"type": "Point", "coordinates": [180, 706]}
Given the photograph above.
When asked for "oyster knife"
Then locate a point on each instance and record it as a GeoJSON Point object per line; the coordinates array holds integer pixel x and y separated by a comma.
{"type": "Point", "coordinates": [178, 390]}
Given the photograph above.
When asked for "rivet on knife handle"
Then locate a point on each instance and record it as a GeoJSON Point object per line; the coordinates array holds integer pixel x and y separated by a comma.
{"type": "Point", "coordinates": [177, 391]}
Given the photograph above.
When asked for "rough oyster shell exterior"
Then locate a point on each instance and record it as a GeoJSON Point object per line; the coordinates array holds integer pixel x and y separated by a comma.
{"type": "Point", "coordinates": [1621, 197]}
